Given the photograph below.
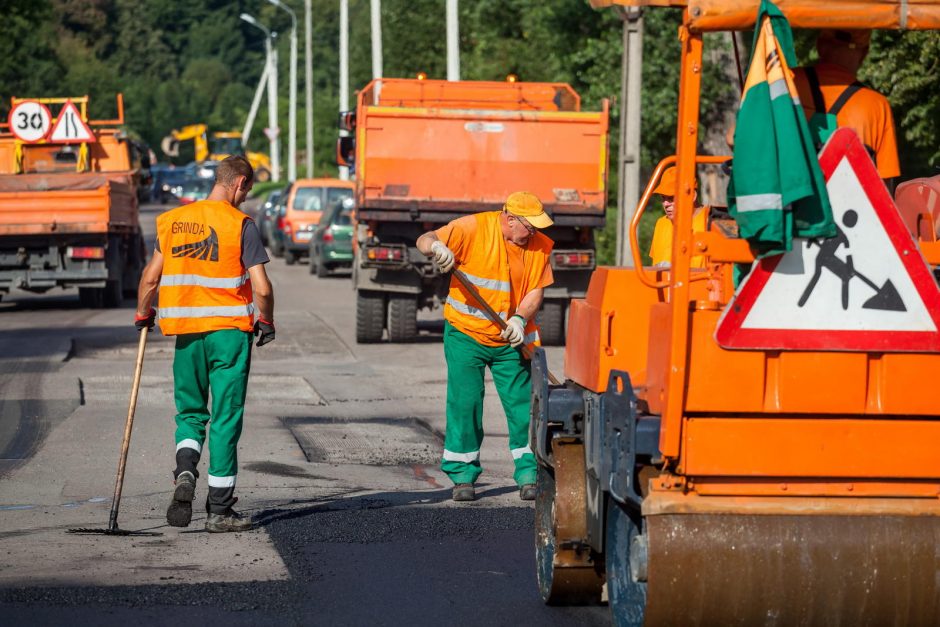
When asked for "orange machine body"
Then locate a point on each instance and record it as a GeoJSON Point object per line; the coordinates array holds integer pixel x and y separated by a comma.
{"type": "Point", "coordinates": [754, 423]}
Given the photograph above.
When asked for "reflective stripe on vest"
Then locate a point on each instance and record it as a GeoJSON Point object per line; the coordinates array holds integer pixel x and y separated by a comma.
{"type": "Point", "coordinates": [488, 284]}
{"type": "Point", "coordinates": [204, 286]}
{"type": "Point", "coordinates": [206, 312]}
{"type": "Point", "coordinates": [204, 281]}
{"type": "Point", "coordinates": [470, 310]}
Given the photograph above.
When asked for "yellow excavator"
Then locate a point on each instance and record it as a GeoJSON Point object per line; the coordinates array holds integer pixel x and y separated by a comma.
{"type": "Point", "coordinates": [222, 144]}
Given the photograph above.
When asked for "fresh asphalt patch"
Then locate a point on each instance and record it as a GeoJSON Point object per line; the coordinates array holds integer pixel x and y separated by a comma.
{"type": "Point", "coordinates": [366, 564]}
{"type": "Point", "coordinates": [370, 442]}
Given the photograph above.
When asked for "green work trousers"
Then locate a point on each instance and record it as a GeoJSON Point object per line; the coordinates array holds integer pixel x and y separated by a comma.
{"type": "Point", "coordinates": [467, 361]}
{"type": "Point", "coordinates": [216, 362]}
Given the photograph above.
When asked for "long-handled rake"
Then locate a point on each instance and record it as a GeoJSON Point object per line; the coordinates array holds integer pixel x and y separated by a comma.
{"type": "Point", "coordinates": [113, 529]}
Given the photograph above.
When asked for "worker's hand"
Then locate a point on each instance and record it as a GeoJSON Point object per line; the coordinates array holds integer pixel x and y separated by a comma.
{"type": "Point", "coordinates": [443, 256]}
{"type": "Point", "coordinates": [145, 322]}
{"type": "Point", "coordinates": [264, 330]}
{"type": "Point", "coordinates": [514, 333]}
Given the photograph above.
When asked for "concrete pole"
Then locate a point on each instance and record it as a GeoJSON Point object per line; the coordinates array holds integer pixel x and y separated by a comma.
{"type": "Point", "coordinates": [453, 41]}
{"type": "Point", "coordinates": [343, 71]}
{"type": "Point", "coordinates": [255, 103]}
{"type": "Point", "coordinates": [292, 138]}
{"type": "Point", "coordinates": [376, 44]}
{"type": "Point", "coordinates": [308, 82]}
{"type": "Point", "coordinates": [628, 163]}
{"type": "Point", "coordinates": [273, 130]}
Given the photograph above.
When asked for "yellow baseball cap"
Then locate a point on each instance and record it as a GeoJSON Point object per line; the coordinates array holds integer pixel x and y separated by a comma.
{"type": "Point", "coordinates": [528, 206]}
{"type": "Point", "coordinates": [667, 184]}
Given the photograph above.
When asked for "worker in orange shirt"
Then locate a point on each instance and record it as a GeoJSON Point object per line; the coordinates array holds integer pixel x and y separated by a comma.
{"type": "Point", "coordinates": [209, 268]}
{"type": "Point", "coordinates": [661, 245]}
{"type": "Point", "coordinates": [503, 254]}
{"type": "Point", "coordinates": [833, 98]}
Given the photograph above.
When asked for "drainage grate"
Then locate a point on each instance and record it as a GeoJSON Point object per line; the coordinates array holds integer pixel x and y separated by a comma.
{"type": "Point", "coordinates": [372, 442]}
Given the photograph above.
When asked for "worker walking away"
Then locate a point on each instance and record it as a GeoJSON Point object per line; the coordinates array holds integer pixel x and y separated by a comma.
{"type": "Point", "coordinates": [661, 244]}
{"type": "Point", "coordinates": [833, 97]}
{"type": "Point", "coordinates": [209, 267]}
{"type": "Point", "coordinates": [506, 258]}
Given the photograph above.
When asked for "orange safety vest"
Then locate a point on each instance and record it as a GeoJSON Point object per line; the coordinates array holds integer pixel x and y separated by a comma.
{"type": "Point", "coordinates": [204, 286]}
{"type": "Point", "coordinates": [486, 265]}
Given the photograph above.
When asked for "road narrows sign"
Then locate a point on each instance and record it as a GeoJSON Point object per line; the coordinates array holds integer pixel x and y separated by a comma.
{"type": "Point", "coordinates": [29, 121]}
{"type": "Point", "coordinates": [867, 289]}
{"type": "Point", "coordinates": [70, 128]}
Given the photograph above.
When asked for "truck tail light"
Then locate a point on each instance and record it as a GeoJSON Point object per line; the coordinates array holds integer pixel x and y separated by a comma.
{"type": "Point", "coordinates": [573, 259]}
{"type": "Point", "coordinates": [85, 252]}
{"type": "Point", "coordinates": [385, 253]}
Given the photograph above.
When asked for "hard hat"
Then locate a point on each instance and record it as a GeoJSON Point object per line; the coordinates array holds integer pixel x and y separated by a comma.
{"type": "Point", "coordinates": [848, 38]}
{"type": "Point", "coordinates": [667, 184]}
{"type": "Point", "coordinates": [528, 206]}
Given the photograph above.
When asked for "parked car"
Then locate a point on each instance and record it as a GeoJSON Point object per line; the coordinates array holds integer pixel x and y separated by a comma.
{"type": "Point", "coordinates": [267, 214]}
{"type": "Point", "coordinates": [194, 189]}
{"type": "Point", "coordinates": [306, 201]}
{"type": "Point", "coordinates": [331, 245]}
{"type": "Point", "coordinates": [274, 225]}
{"type": "Point", "coordinates": [168, 181]}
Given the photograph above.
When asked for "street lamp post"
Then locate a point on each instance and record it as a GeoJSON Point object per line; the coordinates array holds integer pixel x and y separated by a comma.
{"type": "Point", "coordinates": [343, 71]}
{"type": "Point", "coordinates": [292, 131]}
{"type": "Point", "coordinates": [271, 56]}
{"type": "Point", "coordinates": [308, 82]}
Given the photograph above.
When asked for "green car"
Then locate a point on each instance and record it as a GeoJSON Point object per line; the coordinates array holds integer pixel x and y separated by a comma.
{"type": "Point", "coordinates": [331, 244]}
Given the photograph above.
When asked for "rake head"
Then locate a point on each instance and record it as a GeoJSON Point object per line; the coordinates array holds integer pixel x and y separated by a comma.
{"type": "Point", "coordinates": [112, 531]}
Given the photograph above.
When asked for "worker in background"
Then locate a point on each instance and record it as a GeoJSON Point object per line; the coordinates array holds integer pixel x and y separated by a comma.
{"type": "Point", "coordinates": [832, 97]}
{"type": "Point", "coordinates": [503, 254]}
{"type": "Point", "coordinates": [209, 267]}
{"type": "Point", "coordinates": [661, 246]}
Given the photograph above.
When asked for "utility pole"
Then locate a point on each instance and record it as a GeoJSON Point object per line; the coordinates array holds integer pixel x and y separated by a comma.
{"type": "Point", "coordinates": [271, 62]}
{"type": "Point", "coordinates": [453, 41]}
{"type": "Point", "coordinates": [343, 71]}
{"type": "Point", "coordinates": [292, 111]}
{"type": "Point", "coordinates": [628, 162]}
{"type": "Point", "coordinates": [376, 6]}
{"type": "Point", "coordinates": [308, 82]}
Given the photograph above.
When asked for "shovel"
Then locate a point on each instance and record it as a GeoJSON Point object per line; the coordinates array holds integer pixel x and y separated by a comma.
{"type": "Point", "coordinates": [113, 529]}
{"type": "Point", "coordinates": [494, 317]}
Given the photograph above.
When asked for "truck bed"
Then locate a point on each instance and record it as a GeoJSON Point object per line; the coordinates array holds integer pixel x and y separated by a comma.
{"type": "Point", "coordinates": [59, 203]}
{"type": "Point", "coordinates": [468, 160]}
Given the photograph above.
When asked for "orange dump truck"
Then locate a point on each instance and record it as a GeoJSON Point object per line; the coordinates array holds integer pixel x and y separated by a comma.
{"type": "Point", "coordinates": [425, 152]}
{"type": "Point", "coordinates": [68, 202]}
{"type": "Point", "coordinates": [762, 453]}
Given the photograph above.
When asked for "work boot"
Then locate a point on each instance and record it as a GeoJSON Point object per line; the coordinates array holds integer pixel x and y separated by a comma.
{"type": "Point", "coordinates": [464, 492]}
{"type": "Point", "coordinates": [180, 511]}
{"type": "Point", "coordinates": [527, 492]}
{"type": "Point", "coordinates": [230, 521]}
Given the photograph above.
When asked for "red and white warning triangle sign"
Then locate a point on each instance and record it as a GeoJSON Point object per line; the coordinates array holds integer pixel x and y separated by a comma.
{"type": "Point", "coordinates": [70, 128]}
{"type": "Point", "coordinates": [867, 289]}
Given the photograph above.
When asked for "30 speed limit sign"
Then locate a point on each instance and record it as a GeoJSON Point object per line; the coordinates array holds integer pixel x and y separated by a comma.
{"type": "Point", "coordinates": [30, 120]}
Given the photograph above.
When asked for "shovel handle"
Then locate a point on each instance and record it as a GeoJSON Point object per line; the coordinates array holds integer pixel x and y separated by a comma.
{"type": "Point", "coordinates": [494, 317]}
{"type": "Point", "coordinates": [128, 426]}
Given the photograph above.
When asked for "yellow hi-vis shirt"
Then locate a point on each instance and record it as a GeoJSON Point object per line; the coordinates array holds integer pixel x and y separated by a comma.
{"type": "Point", "coordinates": [661, 246]}
{"type": "Point", "coordinates": [502, 272]}
{"type": "Point", "coordinates": [204, 286]}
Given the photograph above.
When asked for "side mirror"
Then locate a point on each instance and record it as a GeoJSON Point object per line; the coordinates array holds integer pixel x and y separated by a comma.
{"type": "Point", "coordinates": [345, 150]}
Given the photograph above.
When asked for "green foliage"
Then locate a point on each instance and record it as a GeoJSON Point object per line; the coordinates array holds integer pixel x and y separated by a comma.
{"type": "Point", "coordinates": [195, 61]}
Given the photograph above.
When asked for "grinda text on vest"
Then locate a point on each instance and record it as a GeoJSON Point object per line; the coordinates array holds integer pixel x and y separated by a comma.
{"type": "Point", "coordinates": [193, 228]}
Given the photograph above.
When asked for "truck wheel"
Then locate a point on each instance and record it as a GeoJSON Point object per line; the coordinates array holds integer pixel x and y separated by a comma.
{"type": "Point", "coordinates": [370, 317]}
{"type": "Point", "coordinates": [262, 175]}
{"type": "Point", "coordinates": [627, 598]}
{"type": "Point", "coordinates": [90, 297]}
{"type": "Point", "coordinates": [290, 257]}
{"type": "Point", "coordinates": [113, 294]}
{"type": "Point", "coordinates": [402, 318]}
{"type": "Point", "coordinates": [551, 321]}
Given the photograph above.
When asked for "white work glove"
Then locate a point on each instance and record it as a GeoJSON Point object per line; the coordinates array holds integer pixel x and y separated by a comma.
{"type": "Point", "coordinates": [442, 256]}
{"type": "Point", "coordinates": [514, 333]}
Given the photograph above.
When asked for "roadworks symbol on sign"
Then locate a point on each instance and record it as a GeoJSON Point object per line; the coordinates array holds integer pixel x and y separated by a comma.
{"type": "Point", "coordinates": [70, 128]}
{"type": "Point", "coordinates": [866, 289]}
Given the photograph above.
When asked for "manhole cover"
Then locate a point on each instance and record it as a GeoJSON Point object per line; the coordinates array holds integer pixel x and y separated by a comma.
{"type": "Point", "coordinates": [374, 442]}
